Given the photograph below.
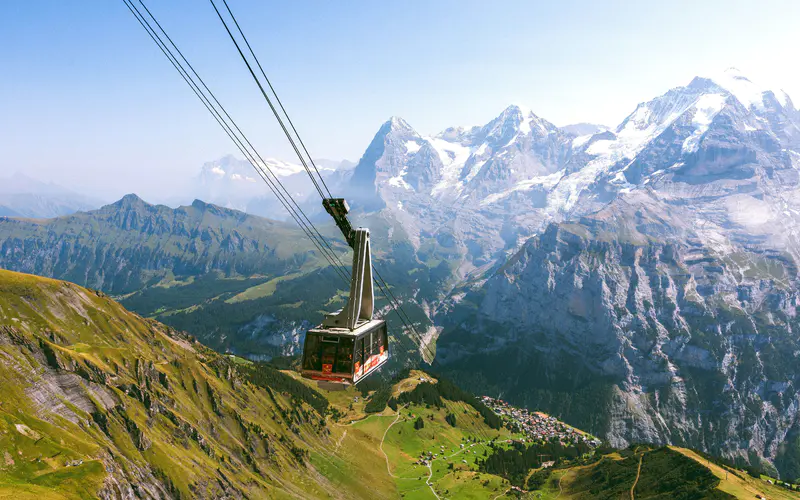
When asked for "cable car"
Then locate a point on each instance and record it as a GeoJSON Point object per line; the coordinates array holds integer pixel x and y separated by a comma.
{"type": "Point", "coordinates": [342, 356]}
{"type": "Point", "coordinates": [350, 344]}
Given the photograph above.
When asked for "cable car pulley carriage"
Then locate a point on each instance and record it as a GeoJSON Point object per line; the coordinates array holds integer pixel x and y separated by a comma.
{"type": "Point", "coordinates": [350, 344]}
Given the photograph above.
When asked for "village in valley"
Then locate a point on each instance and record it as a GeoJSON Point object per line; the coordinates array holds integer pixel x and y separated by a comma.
{"type": "Point", "coordinates": [538, 426]}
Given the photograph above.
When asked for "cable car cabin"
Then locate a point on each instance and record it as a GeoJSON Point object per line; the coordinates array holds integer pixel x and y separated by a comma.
{"type": "Point", "coordinates": [344, 356]}
{"type": "Point", "coordinates": [349, 344]}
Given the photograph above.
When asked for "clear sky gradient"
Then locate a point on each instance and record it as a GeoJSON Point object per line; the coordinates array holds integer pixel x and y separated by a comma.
{"type": "Point", "coordinates": [88, 101]}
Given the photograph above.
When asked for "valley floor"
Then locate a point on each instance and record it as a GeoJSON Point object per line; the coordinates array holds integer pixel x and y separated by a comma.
{"type": "Point", "coordinates": [440, 461]}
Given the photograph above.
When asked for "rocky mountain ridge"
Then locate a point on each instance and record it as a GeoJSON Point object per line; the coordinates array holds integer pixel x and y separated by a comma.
{"type": "Point", "coordinates": [671, 290]}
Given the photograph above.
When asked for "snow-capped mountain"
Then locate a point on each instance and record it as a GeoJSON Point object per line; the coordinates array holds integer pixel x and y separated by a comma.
{"type": "Point", "coordinates": [234, 183]}
{"type": "Point", "coordinates": [461, 164]}
{"type": "Point", "coordinates": [579, 129]}
{"type": "Point", "coordinates": [519, 172]}
{"type": "Point", "coordinates": [436, 186]}
{"type": "Point", "coordinates": [659, 301]}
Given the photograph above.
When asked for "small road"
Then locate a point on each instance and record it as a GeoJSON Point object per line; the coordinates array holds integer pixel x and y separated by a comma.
{"type": "Point", "coordinates": [638, 473]}
{"type": "Point", "coordinates": [352, 422]}
{"type": "Point", "coordinates": [430, 464]}
{"type": "Point", "coordinates": [502, 494]}
{"type": "Point", "coordinates": [339, 443]}
{"type": "Point", "coordinates": [428, 481]}
{"type": "Point", "coordinates": [388, 469]}
{"type": "Point", "coordinates": [465, 449]}
{"type": "Point", "coordinates": [560, 489]}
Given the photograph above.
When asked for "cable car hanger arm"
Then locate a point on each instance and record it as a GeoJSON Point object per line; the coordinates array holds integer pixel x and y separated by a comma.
{"type": "Point", "coordinates": [338, 209]}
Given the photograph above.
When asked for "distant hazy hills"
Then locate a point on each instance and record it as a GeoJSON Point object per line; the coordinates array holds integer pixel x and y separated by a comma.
{"type": "Point", "coordinates": [21, 196]}
{"type": "Point", "coordinates": [187, 266]}
{"type": "Point", "coordinates": [233, 183]}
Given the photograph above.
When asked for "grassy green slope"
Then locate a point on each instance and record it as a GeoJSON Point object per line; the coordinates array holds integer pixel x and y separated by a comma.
{"type": "Point", "coordinates": [96, 400]}
{"type": "Point", "coordinates": [453, 473]}
{"type": "Point", "coordinates": [665, 473]}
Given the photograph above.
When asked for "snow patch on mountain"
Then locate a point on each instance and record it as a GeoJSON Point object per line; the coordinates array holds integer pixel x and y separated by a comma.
{"type": "Point", "coordinates": [748, 93]}
{"type": "Point", "coordinates": [398, 180]}
{"type": "Point", "coordinates": [412, 147]}
{"type": "Point", "coordinates": [706, 108]}
{"type": "Point", "coordinates": [545, 181]}
{"type": "Point", "coordinates": [581, 140]}
{"type": "Point", "coordinates": [453, 156]}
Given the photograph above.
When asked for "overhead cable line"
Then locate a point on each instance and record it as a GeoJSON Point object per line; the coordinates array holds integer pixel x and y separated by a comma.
{"type": "Point", "coordinates": [278, 99]}
{"type": "Point", "coordinates": [384, 288]}
{"type": "Point", "coordinates": [263, 162]}
{"type": "Point", "coordinates": [398, 308]}
{"type": "Point", "coordinates": [266, 97]}
{"type": "Point", "coordinates": [234, 136]}
{"type": "Point", "coordinates": [229, 126]}
{"type": "Point", "coordinates": [396, 305]}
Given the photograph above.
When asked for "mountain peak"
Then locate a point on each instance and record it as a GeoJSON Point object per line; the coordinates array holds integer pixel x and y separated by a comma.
{"type": "Point", "coordinates": [515, 120]}
{"type": "Point", "coordinates": [398, 128]}
{"type": "Point", "coordinates": [130, 200]}
{"type": "Point", "coordinates": [20, 182]}
{"type": "Point", "coordinates": [748, 93]}
{"type": "Point", "coordinates": [519, 109]}
{"type": "Point", "coordinates": [396, 123]}
{"type": "Point", "coordinates": [734, 72]}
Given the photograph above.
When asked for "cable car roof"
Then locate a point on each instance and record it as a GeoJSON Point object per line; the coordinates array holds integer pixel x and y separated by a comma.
{"type": "Point", "coordinates": [344, 332]}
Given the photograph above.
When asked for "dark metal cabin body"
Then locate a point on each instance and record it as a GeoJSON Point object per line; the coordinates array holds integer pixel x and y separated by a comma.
{"type": "Point", "coordinates": [344, 356]}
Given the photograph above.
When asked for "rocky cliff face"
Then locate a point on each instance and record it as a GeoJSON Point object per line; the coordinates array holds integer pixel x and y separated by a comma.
{"type": "Point", "coordinates": [691, 346]}
{"type": "Point", "coordinates": [669, 313]}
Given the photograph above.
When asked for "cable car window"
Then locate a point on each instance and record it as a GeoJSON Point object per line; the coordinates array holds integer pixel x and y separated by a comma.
{"type": "Point", "coordinates": [344, 356]}
{"type": "Point", "coordinates": [384, 338]}
{"type": "Point", "coordinates": [312, 360]}
{"type": "Point", "coordinates": [359, 362]}
{"type": "Point", "coordinates": [377, 342]}
{"type": "Point", "coordinates": [329, 345]}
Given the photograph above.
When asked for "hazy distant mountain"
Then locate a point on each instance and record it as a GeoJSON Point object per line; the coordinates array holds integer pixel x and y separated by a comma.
{"type": "Point", "coordinates": [334, 164]}
{"type": "Point", "coordinates": [234, 183]}
{"type": "Point", "coordinates": [579, 129]}
{"type": "Point", "coordinates": [7, 212]}
{"type": "Point", "coordinates": [22, 196]}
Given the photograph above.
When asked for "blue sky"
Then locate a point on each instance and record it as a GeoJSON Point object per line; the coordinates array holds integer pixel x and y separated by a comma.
{"type": "Point", "coordinates": [88, 101]}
